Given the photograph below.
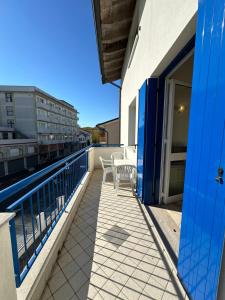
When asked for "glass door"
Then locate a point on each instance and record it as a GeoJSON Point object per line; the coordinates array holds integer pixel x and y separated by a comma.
{"type": "Point", "coordinates": [176, 121]}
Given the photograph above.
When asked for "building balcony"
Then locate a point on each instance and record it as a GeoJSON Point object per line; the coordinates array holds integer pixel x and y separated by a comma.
{"type": "Point", "coordinates": [98, 244]}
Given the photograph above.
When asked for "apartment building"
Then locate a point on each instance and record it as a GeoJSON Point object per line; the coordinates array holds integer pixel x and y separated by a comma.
{"type": "Point", "coordinates": [16, 152]}
{"type": "Point", "coordinates": [169, 56]}
{"type": "Point", "coordinates": [37, 115]}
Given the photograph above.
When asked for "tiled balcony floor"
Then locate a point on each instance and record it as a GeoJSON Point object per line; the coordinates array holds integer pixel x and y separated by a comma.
{"type": "Point", "coordinates": [109, 252]}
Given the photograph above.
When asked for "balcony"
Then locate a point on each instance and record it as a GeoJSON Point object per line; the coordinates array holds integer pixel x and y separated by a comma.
{"type": "Point", "coordinates": [99, 244]}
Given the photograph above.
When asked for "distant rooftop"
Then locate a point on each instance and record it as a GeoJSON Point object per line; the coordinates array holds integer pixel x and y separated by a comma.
{"type": "Point", "coordinates": [107, 122]}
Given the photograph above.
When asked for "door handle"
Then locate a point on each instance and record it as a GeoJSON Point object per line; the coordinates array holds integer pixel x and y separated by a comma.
{"type": "Point", "coordinates": [219, 178]}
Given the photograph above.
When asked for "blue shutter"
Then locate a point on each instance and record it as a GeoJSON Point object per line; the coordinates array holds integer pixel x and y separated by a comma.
{"type": "Point", "coordinates": [141, 139]}
{"type": "Point", "coordinates": [203, 219]}
{"type": "Point", "coordinates": [146, 141]}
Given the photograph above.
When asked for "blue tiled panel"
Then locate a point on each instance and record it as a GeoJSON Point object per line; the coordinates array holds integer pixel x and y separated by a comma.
{"type": "Point", "coordinates": [203, 221]}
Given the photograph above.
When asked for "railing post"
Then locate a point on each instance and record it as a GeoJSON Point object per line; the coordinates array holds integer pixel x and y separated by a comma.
{"type": "Point", "coordinates": [7, 280]}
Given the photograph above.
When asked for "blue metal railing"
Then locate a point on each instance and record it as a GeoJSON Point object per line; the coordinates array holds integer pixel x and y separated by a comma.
{"type": "Point", "coordinates": [15, 188]}
{"type": "Point", "coordinates": [38, 211]}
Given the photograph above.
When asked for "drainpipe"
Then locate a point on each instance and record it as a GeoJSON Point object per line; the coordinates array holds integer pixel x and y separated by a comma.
{"type": "Point", "coordinates": [119, 87]}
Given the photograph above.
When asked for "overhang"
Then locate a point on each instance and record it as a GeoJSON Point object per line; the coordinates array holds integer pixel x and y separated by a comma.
{"type": "Point", "coordinates": [113, 20]}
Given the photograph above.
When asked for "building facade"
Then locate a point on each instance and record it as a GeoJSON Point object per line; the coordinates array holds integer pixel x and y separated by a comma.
{"type": "Point", "coordinates": [37, 115]}
{"type": "Point", "coordinates": [111, 130]}
{"type": "Point", "coordinates": [169, 56]}
{"type": "Point", "coordinates": [16, 152]}
{"type": "Point", "coordinates": [84, 138]}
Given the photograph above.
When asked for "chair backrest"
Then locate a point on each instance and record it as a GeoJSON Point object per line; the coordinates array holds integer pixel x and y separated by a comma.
{"type": "Point", "coordinates": [105, 163]}
{"type": "Point", "coordinates": [126, 172]}
{"type": "Point", "coordinates": [117, 155]}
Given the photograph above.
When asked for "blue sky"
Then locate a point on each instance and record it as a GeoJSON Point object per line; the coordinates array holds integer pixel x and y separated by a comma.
{"type": "Point", "coordinates": [51, 44]}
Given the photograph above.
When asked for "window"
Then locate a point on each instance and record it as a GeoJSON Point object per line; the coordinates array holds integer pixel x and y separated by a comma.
{"type": "Point", "coordinates": [10, 123]}
{"type": "Point", "coordinates": [5, 135]}
{"type": "Point", "coordinates": [8, 97]}
{"type": "Point", "coordinates": [132, 123]}
{"type": "Point", "coordinates": [42, 124]}
{"type": "Point", "coordinates": [14, 152]}
{"type": "Point", "coordinates": [41, 112]}
{"type": "Point", "coordinates": [30, 149]}
{"type": "Point", "coordinates": [9, 110]}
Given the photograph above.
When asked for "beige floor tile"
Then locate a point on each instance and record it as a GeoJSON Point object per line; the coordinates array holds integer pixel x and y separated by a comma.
{"type": "Point", "coordinates": [70, 244]}
{"type": "Point", "coordinates": [76, 251]}
{"type": "Point", "coordinates": [83, 291]}
{"type": "Point", "coordinates": [149, 268]}
{"type": "Point", "coordinates": [92, 291]}
{"type": "Point", "coordinates": [162, 273]}
{"type": "Point", "coordinates": [153, 292]}
{"type": "Point", "coordinates": [119, 277]}
{"type": "Point", "coordinates": [141, 275]}
{"type": "Point", "coordinates": [65, 292]}
{"type": "Point", "coordinates": [106, 295]}
{"type": "Point", "coordinates": [158, 281]}
{"type": "Point", "coordinates": [135, 284]}
{"type": "Point", "coordinates": [78, 280]}
{"type": "Point", "coordinates": [130, 294]}
{"type": "Point", "coordinates": [111, 287]}
{"type": "Point", "coordinates": [82, 259]}
{"type": "Point", "coordinates": [108, 271]}
{"type": "Point", "coordinates": [98, 280]}
{"type": "Point", "coordinates": [55, 269]}
{"type": "Point", "coordinates": [56, 281]}
{"type": "Point", "coordinates": [46, 294]}
{"type": "Point", "coordinates": [64, 260]}
{"type": "Point", "coordinates": [171, 288]}
{"type": "Point", "coordinates": [70, 269]}
{"type": "Point", "coordinates": [169, 296]}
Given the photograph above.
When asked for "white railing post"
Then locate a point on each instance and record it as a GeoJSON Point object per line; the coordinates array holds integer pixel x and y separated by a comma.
{"type": "Point", "coordinates": [91, 159]}
{"type": "Point", "coordinates": [7, 277]}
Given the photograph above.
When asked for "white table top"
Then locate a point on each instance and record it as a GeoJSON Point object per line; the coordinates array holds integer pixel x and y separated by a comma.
{"type": "Point", "coordinates": [121, 162]}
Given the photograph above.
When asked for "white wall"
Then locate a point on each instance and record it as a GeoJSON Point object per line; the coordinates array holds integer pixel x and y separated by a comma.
{"type": "Point", "coordinates": [165, 27]}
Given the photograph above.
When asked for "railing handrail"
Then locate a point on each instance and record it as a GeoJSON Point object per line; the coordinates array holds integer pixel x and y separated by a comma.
{"type": "Point", "coordinates": [18, 186]}
{"type": "Point", "coordinates": [39, 186]}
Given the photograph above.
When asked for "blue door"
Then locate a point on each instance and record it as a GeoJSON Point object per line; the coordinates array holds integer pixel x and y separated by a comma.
{"type": "Point", "coordinates": [203, 220]}
{"type": "Point", "coordinates": [146, 140]}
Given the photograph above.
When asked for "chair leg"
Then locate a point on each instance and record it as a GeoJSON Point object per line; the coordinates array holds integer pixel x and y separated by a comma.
{"type": "Point", "coordinates": [132, 187]}
{"type": "Point", "coordinates": [114, 179]}
{"type": "Point", "coordinates": [117, 186]}
{"type": "Point", "coordinates": [104, 177]}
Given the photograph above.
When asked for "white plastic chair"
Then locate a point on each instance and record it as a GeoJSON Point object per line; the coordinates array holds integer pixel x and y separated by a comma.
{"type": "Point", "coordinates": [125, 174]}
{"type": "Point", "coordinates": [117, 155]}
{"type": "Point", "coordinates": [107, 166]}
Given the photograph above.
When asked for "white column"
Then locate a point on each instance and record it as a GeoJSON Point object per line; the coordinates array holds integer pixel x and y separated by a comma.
{"type": "Point", "coordinates": [6, 167]}
{"type": "Point", "coordinates": [7, 282]}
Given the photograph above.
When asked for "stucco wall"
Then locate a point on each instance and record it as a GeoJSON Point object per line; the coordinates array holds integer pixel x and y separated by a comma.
{"type": "Point", "coordinates": [113, 132]}
{"type": "Point", "coordinates": [164, 29]}
{"type": "Point", "coordinates": [25, 113]}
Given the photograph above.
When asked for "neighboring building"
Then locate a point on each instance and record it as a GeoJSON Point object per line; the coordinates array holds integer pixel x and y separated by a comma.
{"type": "Point", "coordinates": [16, 153]}
{"type": "Point", "coordinates": [84, 138]}
{"type": "Point", "coordinates": [172, 106]}
{"type": "Point", "coordinates": [111, 131]}
{"type": "Point", "coordinates": [37, 115]}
